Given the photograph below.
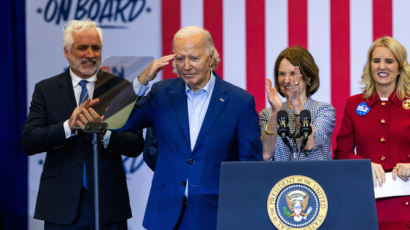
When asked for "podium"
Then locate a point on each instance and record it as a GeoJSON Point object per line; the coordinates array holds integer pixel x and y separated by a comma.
{"type": "Point", "coordinates": [334, 195]}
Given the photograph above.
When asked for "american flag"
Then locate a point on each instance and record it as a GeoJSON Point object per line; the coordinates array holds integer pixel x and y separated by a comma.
{"type": "Point", "coordinates": [249, 35]}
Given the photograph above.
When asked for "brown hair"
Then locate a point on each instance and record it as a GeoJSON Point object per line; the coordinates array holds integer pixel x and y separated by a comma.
{"type": "Point", "coordinates": [300, 57]}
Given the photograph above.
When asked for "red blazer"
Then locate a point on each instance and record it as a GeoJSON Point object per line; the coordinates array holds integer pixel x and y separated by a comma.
{"type": "Point", "coordinates": [381, 134]}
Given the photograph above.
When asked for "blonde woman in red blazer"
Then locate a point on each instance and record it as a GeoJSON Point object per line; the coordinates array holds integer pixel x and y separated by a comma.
{"type": "Point", "coordinates": [376, 126]}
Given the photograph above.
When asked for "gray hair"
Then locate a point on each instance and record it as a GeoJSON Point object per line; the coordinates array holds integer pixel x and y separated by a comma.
{"type": "Point", "coordinates": [208, 43]}
{"type": "Point", "coordinates": [76, 26]}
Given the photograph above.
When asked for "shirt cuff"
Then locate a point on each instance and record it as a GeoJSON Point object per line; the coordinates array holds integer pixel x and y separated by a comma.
{"type": "Point", "coordinates": [106, 138]}
{"type": "Point", "coordinates": [139, 89]}
{"type": "Point", "coordinates": [67, 130]}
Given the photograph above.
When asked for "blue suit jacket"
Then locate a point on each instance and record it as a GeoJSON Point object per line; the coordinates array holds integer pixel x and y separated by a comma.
{"type": "Point", "coordinates": [229, 132]}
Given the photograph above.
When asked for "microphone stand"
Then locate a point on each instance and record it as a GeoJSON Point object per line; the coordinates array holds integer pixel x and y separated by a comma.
{"type": "Point", "coordinates": [96, 128]}
{"type": "Point", "coordinates": [286, 141]}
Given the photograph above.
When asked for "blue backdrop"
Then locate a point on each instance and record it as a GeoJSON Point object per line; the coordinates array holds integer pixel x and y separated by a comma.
{"type": "Point", "coordinates": [13, 162]}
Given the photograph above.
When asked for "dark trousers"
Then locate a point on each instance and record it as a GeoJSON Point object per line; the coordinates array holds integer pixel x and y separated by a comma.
{"type": "Point", "coordinates": [85, 218]}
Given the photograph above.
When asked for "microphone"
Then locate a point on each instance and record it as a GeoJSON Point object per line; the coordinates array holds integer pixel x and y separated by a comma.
{"type": "Point", "coordinates": [283, 129]}
{"type": "Point", "coordinates": [305, 120]}
{"type": "Point", "coordinates": [305, 129]}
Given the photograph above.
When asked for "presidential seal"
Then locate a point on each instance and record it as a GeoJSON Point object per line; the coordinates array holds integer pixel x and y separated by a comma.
{"type": "Point", "coordinates": [297, 202]}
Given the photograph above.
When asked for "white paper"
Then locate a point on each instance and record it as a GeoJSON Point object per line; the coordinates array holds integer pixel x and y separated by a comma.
{"type": "Point", "coordinates": [392, 187]}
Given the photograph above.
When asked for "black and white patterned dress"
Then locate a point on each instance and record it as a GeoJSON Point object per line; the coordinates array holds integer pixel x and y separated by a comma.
{"type": "Point", "coordinates": [323, 121]}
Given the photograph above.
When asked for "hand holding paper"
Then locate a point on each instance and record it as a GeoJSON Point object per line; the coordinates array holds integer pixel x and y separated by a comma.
{"type": "Point", "coordinates": [392, 187]}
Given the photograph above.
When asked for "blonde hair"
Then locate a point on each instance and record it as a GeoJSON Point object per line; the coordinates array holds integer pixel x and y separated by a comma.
{"type": "Point", "coordinates": [207, 42]}
{"type": "Point", "coordinates": [76, 26]}
{"type": "Point", "coordinates": [400, 54]}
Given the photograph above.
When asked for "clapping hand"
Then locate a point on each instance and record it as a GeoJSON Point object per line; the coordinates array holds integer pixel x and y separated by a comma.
{"type": "Point", "coordinates": [83, 114]}
{"type": "Point", "coordinates": [273, 96]}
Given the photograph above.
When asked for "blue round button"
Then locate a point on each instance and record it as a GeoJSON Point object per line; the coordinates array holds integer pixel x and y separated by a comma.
{"type": "Point", "coordinates": [362, 109]}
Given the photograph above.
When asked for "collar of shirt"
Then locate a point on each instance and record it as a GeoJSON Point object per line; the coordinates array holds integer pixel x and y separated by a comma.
{"type": "Point", "coordinates": [307, 104]}
{"type": "Point", "coordinates": [75, 79]}
{"type": "Point", "coordinates": [393, 98]}
{"type": "Point", "coordinates": [208, 88]}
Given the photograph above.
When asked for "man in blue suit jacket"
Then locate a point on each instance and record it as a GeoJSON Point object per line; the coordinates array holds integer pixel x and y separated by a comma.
{"type": "Point", "coordinates": [200, 121]}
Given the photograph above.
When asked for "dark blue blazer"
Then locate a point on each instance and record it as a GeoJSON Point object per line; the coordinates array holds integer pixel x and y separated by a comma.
{"type": "Point", "coordinates": [229, 132]}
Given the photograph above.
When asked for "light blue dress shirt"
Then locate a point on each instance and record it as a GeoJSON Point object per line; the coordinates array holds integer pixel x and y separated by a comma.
{"type": "Point", "coordinates": [198, 103]}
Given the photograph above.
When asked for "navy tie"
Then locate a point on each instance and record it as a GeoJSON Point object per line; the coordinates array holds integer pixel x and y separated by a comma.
{"type": "Point", "coordinates": [83, 97]}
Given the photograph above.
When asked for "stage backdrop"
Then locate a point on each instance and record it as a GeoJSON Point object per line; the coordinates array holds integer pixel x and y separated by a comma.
{"type": "Point", "coordinates": [249, 34]}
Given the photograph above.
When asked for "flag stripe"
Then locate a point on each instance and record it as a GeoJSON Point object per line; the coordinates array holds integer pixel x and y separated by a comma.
{"type": "Point", "coordinates": [276, 14]}
{"type": "Point", "coordinates": [234, 67]}
{"type": "Point", "coordinates": [361, 37]}
{"type": "Point", "coordinates": [171, 22]}
{"type": "Point", "coordinates": [382, 18]}
{"type": "Point", "coordinates": [255, 51]}
{"type": "Point", "coordinates": [191, 13]}
{"type": "Point", "coordinates": [340, 57]}
{"type": "Point", "coordinates": [213, 22]}
{"type": "Point", "coordinates": [297, 22]}
{"type": "Point", "coordinates": [401, 19]}
{"type": "Point", "coordinates": [319, 44]}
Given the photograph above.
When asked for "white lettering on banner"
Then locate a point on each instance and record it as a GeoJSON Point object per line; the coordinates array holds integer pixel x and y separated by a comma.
{"type": "Point", "coordinates": [105, 12]}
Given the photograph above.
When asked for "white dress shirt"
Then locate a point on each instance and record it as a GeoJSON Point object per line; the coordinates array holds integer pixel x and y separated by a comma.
{"type": "Point", "coordinates": [75, 80]}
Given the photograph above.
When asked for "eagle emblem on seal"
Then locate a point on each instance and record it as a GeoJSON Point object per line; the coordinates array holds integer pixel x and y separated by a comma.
{"type": "Point", "coordinates": [297, 202]}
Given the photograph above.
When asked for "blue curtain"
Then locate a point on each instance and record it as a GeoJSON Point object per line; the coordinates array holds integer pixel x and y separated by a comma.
{"type": "Point", "coordinates": [13, 162]}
